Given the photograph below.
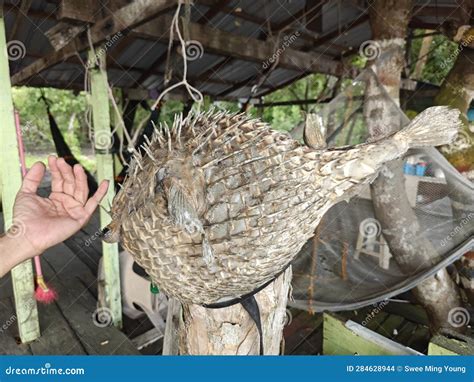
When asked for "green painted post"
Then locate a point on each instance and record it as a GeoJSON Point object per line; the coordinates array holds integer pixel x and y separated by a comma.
{"type": "Point", "coordinates": [105, 170]}
{"type": "Point", "coordinates": [22, 275]}
{"type": "Point", "coordinates": [118, 126]}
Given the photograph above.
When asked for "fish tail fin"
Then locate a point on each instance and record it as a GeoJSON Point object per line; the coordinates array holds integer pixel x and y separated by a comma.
{"type": "Point", "coordinates": [435, 126]}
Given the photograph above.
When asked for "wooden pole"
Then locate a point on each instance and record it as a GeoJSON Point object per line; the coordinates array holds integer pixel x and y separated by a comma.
{"type": "Point", "coordinates": [423, 55]}
{"type": "Point", "coordinates": [231, 331]}
{"type": "Point", "coordinates": [118, 126]}
{"type": "Point", "coordinates": [410, 249]}
{"type": "Point", "coordinates": [22, 275]}
{"type": "Point", "coordinates": [105, 170]}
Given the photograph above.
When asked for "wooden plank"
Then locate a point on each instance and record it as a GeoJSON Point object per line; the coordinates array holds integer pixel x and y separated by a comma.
{"type": "Point", "coordinates": [22, 275]}
{"type": "Point", "coordinates": [9, 331]}
{"type": "Point", "coordinates": [412, 312]}
{"type": "Point", "coordinates": [435, 349]}
{"type": "Point", "coordinates": [455, 344]}
{"type": "Point", "coordinates": [228, 44]}
{"type": "Point", "coordinates": [77, 306]}
{"type": "Point", "coordinates": [149, 337]}
{"type": "Point", "coordinates": [57, 337]}
{"type": "Point", "coordinates": [422, 55]}
{"type": "Point", "coordinates": [105, 171]}
{"type": "Point", "coordinates": [20, 18]}
{"type": "Point", "coordinates": [389, 328]}
{"type": "Point", "coordinates": [63, 260]}
{"type": "Point", "coordinates": [170, 341]}
{"type": "Point", "coordinates": [137, 12]}
{"type": "Point", "coordinates": [78, 10]}
{"type": "Point", "coordinates": [340, 339]}
{"type": "Point", "coordinates": [312, 343]}
{"type": "Point", "coordinates": [301, 326]}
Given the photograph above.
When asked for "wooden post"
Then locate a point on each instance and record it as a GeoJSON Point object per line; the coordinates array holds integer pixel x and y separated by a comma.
{"type": "Point", "coordinates": [118, 126]}
{"type": "Point", "coordinates": [22, 275]}
{"type": "Point", "coordinates": [105, 170]}
{"type": "Point", "coordinates": [410, 249]}
{"type": "Point", "coordinates": [423, 55]}
{"type": "Point", "coordinates": [231, 331]}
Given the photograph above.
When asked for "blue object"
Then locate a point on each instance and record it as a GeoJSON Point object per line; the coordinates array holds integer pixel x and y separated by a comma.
{"type": "Point", "coordinates": [409, 169]}
{"type": "Point", "coordinates": [420, 169]}
{"type": "Point", "coordinates": [470, 115]}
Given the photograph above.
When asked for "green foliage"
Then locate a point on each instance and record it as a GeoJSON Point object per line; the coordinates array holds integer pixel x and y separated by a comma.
{"type": "Point", "coordinates": [34, 119]}
{"type": "Point", "coordinates": [441, 57]}
{"type": "Point", "coordinates": [287, 117]}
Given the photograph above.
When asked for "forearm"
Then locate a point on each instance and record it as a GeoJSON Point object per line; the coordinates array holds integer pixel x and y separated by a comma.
{"type": "Point", "coordinates": [13, 251]}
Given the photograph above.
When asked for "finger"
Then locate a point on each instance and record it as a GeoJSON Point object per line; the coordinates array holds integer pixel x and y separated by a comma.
{"type": "Point", "coordinates": [94, 201]}
{"type": "Point", "coordinates": [32, 179]}
{"type": "Point", "coordinates": [81, 190]}
{"type": "Point", "coordinates": [69, 183]}
{"type": "Point", "coordinates": [56, 177]}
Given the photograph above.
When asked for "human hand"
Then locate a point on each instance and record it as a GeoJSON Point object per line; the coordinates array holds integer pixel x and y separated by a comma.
{"type": "Point", "coordinates": [43, 222]}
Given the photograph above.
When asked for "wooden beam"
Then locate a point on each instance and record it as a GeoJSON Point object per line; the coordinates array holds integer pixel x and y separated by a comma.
{"type": "Point", "coordinates": [22, 275]}
{"type": "Point", "coordinates": [251, 49]}
{"type": "Point", "coordinates": [10, 8]}
{"type": "Point", "coordinates": [314, 15]}
{"type": "Point", "coordinates": [20, 17]}
{"type": "Point", "coordinates": [126, 18]}
{"type": "Point", "coordinates": [213, 11]}
{"type": "Point", "coordinates": [338, 32]}
{"type": "Point", "coordinates": [105, 171]}
{"type": "Point", "coordinates": [451, 343]}
{"type": "Point", "coordinates": [422, 56]}
{"type": "Point", "coordinates": [78, 10]}
{"type": "Point", "coordinates": [350, 338]}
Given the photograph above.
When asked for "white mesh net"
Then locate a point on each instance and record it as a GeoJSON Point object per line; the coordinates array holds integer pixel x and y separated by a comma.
{"type": "Point", "coordinates": [348, 264]}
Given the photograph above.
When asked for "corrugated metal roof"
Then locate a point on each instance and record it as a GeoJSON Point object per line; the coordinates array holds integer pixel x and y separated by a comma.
{"type": "Point", "coordinates": [133, 61]}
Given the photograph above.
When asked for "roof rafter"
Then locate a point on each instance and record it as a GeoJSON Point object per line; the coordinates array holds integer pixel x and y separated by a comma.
{"type": "Point", "coordinates": [250, 49]}
{"type": "Point", "coordinates": [124, 19]}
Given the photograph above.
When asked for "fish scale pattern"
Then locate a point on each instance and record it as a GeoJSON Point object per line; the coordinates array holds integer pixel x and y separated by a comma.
{"type": "Point", "coordinates": [258, 196]}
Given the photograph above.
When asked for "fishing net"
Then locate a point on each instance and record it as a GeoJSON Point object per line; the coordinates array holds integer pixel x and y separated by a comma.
{"type": "Point", "coordinates": [348, 263]}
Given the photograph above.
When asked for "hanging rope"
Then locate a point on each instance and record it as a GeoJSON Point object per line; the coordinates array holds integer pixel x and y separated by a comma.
{"type": "Point", "coordinates": [193, 92]}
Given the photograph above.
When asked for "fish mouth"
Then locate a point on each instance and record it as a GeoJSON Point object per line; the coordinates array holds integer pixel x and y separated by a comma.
{"type": "Point", "coordinates": [107, 235]}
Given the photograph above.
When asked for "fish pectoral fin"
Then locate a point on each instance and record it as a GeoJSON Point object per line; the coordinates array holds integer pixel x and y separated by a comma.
{"type": "Point", "coordinates": [182, 210]}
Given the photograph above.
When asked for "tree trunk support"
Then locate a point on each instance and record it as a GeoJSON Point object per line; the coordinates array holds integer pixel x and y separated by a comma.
{"type": "Point", "coordinates": [231, 330]}
{"type": "Point", "coordinates": [438, 294]}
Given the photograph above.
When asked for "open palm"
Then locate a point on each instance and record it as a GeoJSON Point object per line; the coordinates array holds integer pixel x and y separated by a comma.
{"type": "Point", "coordinates": [45, 222]}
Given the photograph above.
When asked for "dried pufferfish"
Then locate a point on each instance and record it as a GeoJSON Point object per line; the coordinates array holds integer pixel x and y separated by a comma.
{"type": "Point", "coordinates": [219, 204]}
